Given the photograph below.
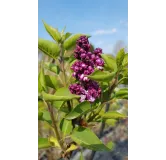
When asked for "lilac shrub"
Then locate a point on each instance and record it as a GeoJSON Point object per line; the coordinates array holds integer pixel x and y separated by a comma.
{"type": "Point", "coordinates": [68, 107]}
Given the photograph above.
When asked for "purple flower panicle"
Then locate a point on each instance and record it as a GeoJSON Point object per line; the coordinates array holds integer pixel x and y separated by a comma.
{"type": "Point", "coordinates": [86, 64]}
{"type": "Point", "coordinates": [88, 91]}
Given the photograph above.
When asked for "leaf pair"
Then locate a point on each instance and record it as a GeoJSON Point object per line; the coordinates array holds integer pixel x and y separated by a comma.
{"type": "Point", "coordinates": [52, 49]}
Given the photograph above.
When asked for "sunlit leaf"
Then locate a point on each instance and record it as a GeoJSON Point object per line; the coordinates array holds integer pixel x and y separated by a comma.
{"type": "Point", "coordinates": [119, 57]}
{"type": "Point", "coordinates": [49, 48]}
{"type": "Point", "coordinates": [113, 115]}
{"type": "Point", "coordinates": [41, 81]}
{"type": "Point", "coordinates": [66, 126]}
{"type": "Point", "coordinates": [79, 110]}
{"type": "Point", "coordinates": [122, 93]}
{"type": "Point", "coordinates": [43, 143]}
{"type": "Point", "coordinates": [102, 76]}
{"type": "Point", "coordinates": [125, 60]}
{"type": "Point", "coordinates": [86, 138]}
{"type": "Point", "coordinates": [110, 62]}
{"type": "Point", "coordinates": [46, 117]}
{"type": "Point", "coordinates": [53, 32]}
{"type": "Point", "coordinates": [62, 94]}
{"type": "Point", "coordinates": [52, 81]}
{"type": "Point", "coordinates": [111, 122]}
{"type": "Point", "coordinates": [71, 148]}
{"type": "Point", "coordinates": [57, 104]}
{"type": "Point", "coordinates": [52, 67]}
{"type": "Point", "coordinates": [54, 141]}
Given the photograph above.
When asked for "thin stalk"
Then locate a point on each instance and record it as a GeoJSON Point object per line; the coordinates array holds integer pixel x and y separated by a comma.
{"type": "Point", "coordinates": [62, 63]}
{"type": "Point", "coordinates": [58, 136]}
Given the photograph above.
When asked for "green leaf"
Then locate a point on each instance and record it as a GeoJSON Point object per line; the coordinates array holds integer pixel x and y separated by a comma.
{"type": "Point", "coordinates": [43, 143]}
{"type": "Point", "coordinates": [41, 106]}
{"type": "Point", "coordinates": [67, 35]}
{"type": "Point", "coordinates": [103, 76]}
{"type": "Point", "coordinates": [86, 138]}
{"type": "Point", "coordinates": [66, 126]}
{"type": "Point", "coordinates": [122, 93]}
{"type": "Point", "coordinates": [63, 30]}
{"type": "Point", "coordinates": [57, 104]}
{"type": "Point", "coordinates": [41, 81]}
{"type": "Point", "coordinates": [52, 67]}
{"type": "Point", "coordinates": [53, 32]}
{"type": "Point", "coordinates": [113, 115]}
{"type": "Point", "coordinates": [52, 81]}
{"type": "Point", "coordinates": [79, 110]}
{"type": "Point", "coordinates": [71, 148]}
{"type": "Point", "coordinates": [45, 117]}
{"type": "Point", "coordinates": [54, 141]}
{"type": "Point", "coordinates": [62, 94]}
{"type": "Point", "coordinates": [70, 42]}
{"type": "Point", "coordinates": [49, 48]}
{"type": "Point", "coordinates": [125, 60]}
{"type": "Point", "coordinates": [123, 77]}
{"type": "Point", "coordinates": [119, 57]}
{"type": "Point", "coordinates": [110, 145]}
{"type": "Point", "coordinates": [110, 61]}
{"type": "Point", "coordinates": [111, 122]}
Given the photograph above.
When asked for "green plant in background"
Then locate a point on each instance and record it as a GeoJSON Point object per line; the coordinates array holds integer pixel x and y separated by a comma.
{"type": "Point", "coordinates": [74, 88]}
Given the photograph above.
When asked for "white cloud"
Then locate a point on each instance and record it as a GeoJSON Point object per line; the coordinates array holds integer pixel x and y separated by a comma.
{"type": "Point", "coordinates": [104, 32]}
{"type": "Point", "coordinates": [124, 22]}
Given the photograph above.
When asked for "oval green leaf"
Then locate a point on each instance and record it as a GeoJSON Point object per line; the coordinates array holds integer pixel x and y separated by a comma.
{"type": "Point", "coordinates": [79, 110]}
{"type": "Point", "coordinates": [66, 36]}
{"type": "Point", "coordinates": [53, 32]}
{"type": "Point", "coordinates": [103, 76]}
{"type": "Point", "coordinates": [52, 81]}
{"type": "Point", "coordinates": [57, 104]}
{"type": "Point", "coordinates": [111, 122]}
{"type": "Point", "coordinates": [41, 81]}
{"type": "Point", "coordinates": [43, 143]}
{"type": "Point", "coordinates": [52, 67]}
{"type": "Point", "coordinates": [66, 126]}
{"type": "Point", "coordinates": [122, 93]}
{"type": "Point", "coordinates": [112, 115]}
{"type": "Point", "coordinates": [62, 94]}
{"type": "Point", "coordinates": [119, 57]}
{"type": "Point", "coordinates": [125, 60]}
{"type": "Point", "coordinates": [49, 48]}
{"type": "Point", "coordinates": [86, 138]}
{"type": "Point", "coordinates": [110, 62]}
{"type": "Point", "coordinates": [46, 117]}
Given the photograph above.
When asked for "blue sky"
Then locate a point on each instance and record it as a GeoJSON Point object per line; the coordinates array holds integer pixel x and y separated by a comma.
{"type": "Point", "coordinates": [105, 20]}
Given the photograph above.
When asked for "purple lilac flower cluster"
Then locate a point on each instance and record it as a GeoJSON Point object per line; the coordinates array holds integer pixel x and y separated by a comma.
{"type": "Point", "coordinates": [82, 53]}
{"type": "Point", "coordinates": [85, 65]}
